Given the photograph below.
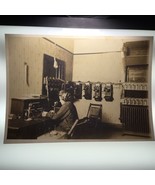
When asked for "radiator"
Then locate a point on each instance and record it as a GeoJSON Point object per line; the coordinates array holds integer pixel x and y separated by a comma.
{"type": "Point", "coordinates": [135, 119]}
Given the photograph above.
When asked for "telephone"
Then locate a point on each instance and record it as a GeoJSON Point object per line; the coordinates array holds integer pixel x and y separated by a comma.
{"type": "Point", "coordinates": [108, 91]}
{"type": "Point", "coordinates": [78, 90]}
{"type": "Point", "coordinates": [88, 91]}
{"type": "Point", "coordinates": [98, 91]}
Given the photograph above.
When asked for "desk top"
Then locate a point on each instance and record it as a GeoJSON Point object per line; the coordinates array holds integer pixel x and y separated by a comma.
{"type": "Point", "coordinates": [30, 98]}
{"type": "Point", "coordinates": [19, 123]}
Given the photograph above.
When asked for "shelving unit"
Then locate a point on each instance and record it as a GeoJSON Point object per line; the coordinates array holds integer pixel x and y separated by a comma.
{"type": "Point", "coordinates": [134, 107]}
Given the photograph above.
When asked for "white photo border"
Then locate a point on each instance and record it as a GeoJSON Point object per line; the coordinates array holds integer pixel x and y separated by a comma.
{"type": "Point", "coordinates": [108, 155]}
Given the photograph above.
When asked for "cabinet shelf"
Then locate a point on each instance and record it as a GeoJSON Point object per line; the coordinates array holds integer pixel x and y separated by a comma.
{"type": "Point", "coordinates": [134, 113]}
{"type": "Point", "coordinates": [136, 60]}
{"type": "Point", "coordinates": [133, 56]}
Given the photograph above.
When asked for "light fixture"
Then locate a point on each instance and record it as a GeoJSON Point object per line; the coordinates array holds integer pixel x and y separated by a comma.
{"type": "Point", "coordinates": [55, 63]}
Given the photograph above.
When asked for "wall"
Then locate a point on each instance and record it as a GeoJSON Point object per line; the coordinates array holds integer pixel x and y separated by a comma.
{"type": "Point", "coordinates": [30, 50]}
{"type": "Point", "coordinates": [106, 66]}
{"type": "Point", "coordinates": [95, 59]}
{"type": "Point", "coordinates": [65, 42]}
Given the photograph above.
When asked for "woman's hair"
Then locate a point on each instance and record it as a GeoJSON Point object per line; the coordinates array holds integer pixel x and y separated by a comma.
{"type": "Point", "coordinates": [66, 96]}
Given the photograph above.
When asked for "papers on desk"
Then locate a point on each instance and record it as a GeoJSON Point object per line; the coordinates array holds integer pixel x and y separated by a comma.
{"type": "Point", "coordinates": [53, 135]}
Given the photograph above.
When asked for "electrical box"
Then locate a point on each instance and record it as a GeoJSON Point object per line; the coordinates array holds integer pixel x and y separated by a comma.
{"type": "Point", "coordinates": [88, 91]}
{"type": "Point", "coordinates": [98, 91]}
{"type": "Point", "coordinates": [78, 90]}
{"type": "Point", "coordinates": [108, 92]}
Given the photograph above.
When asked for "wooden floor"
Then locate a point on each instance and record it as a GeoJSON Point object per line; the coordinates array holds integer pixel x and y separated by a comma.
{"type": "Point", "coordinates": [104, 132]}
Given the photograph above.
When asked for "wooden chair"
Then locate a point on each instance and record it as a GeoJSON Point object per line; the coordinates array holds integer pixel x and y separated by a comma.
{"type": "Point", "coordinates": [92, 119]}
{"type": "Point", "coordinates": [95, 112]}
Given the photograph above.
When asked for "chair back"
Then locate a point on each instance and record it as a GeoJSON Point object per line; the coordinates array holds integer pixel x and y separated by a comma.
{"type": "Point", "coordinates": [95, 111]}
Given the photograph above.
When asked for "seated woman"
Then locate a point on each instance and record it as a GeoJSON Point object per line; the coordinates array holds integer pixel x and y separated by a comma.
{"type": "Point", "coordinates": [67, 114]}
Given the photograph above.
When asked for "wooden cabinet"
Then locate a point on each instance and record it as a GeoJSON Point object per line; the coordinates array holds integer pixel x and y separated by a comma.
{"type": "Point", "coordinates": [20, 105]}
{"type": "Point", "coordinates": [134, 112]}
{"type": "Point", "coordinates": [136, 49]}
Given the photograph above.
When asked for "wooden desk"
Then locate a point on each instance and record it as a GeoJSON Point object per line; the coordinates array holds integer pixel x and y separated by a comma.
{"type": "Point", "coordinates": [22, 129]}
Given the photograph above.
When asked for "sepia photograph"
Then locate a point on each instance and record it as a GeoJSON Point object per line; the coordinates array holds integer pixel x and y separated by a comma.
{"type": "Point", "coordinates": [78, 88]}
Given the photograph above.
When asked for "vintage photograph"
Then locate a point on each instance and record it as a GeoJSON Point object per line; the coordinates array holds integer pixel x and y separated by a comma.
{"type": "Point", "coordinates": [67, 88]}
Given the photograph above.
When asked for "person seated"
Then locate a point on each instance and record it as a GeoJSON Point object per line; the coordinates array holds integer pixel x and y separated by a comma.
{"type": "Point", "coordinates": [66, 115]}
